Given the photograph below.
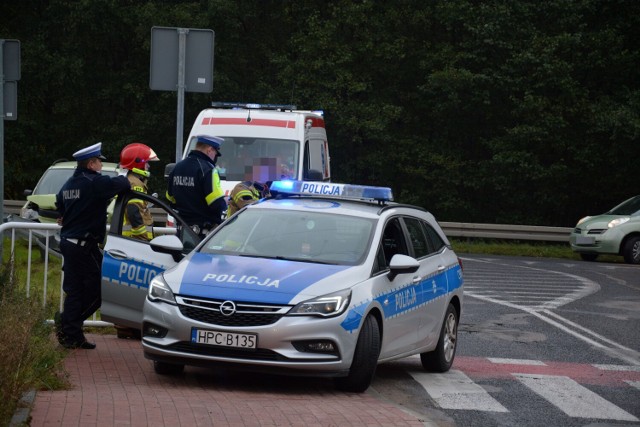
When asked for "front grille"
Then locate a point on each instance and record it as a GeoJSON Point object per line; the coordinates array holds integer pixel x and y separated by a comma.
{"type": "Point", "coordinates": [206, 350]}
{"type": "Point", "coordinates": [235, 353]}
{"type": "Point", "coordinates": [597, 231]}
{"type": "Point", "coordinates": [208, 311]}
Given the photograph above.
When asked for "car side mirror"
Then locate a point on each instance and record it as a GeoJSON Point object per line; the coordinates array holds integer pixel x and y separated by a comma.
{"type": "Point", "coordinates": [402, 264]}
{"type": "Point", "coordinates": [313, 175]}
{"type": "Point", "coordinates": [168, 169]}
{"type": "Point", "coordinates": [168, 244]}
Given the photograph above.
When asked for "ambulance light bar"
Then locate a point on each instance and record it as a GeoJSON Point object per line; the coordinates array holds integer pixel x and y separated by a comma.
{"type": "Point", "coordinates": [252, 106]}
{"type": "Point", "coordinates": [346, 191]}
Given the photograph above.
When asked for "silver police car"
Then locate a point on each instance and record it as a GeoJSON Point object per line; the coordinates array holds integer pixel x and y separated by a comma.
{"type": "Point", "coordinates": [320, 279]}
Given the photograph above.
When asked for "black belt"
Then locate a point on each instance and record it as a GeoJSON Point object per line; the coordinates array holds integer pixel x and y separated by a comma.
{"type": "Point", "coordinates": [79, 242]}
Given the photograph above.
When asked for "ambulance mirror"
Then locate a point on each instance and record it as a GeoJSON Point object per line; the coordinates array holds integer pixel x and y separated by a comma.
{"type": "Point", "coordinates": [168, 169]}
{"type": "Point", "coordinates": [313, 175]}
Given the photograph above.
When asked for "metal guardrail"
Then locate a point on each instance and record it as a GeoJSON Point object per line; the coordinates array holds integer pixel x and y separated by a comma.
{"type": "Point", "coordinates": [507, 232]}
{"type": "Point", "coordinates": [451, 229]}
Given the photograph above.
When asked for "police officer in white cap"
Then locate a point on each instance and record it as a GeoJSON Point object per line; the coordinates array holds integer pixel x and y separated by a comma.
{"type": "Point", "coordinates": [194, 186]}
{"type": "Point", "coordinates": [82, 205]}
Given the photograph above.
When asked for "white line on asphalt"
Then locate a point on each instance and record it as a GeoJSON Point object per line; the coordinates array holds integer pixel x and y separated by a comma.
{"type": "Point", "coordinates": [616, 367]}
{"type": "Point", "coordinates": [572, 398]}
{"type": "Point", "coordinates": [516, 361]}
{"type": "Point", "coordinates": [635, 384]}
{"type": "Point", "coordinates": [455, 390]}
{"type": "Point", "coordinates": [622, 352]}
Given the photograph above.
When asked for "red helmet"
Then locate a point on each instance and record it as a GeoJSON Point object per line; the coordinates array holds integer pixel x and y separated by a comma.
{"type": "Point", "coordinates": [135, 157]}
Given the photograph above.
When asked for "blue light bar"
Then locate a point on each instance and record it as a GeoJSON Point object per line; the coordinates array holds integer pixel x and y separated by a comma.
{"type": "Point", "coordinates": [252, 106]}
{"type": "Point", "coordinates": [346, 191]}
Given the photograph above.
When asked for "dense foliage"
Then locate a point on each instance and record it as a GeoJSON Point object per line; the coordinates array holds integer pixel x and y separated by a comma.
{"type": "Point", "coordinates": [30, 358]}
{"type": "Point", "coordinates": [502, 112]}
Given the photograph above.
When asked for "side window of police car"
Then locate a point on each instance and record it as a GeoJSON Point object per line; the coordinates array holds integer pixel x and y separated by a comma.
{"type": "Point", "coordinates": [436, 241]}
{"type": "Point", "coordinates": [393, 242]}
{"type": "Point", "coordinates": [421, 243]}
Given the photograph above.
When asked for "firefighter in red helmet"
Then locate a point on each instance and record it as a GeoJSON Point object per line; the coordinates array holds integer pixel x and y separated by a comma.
{"type": "Point", "coordinates": [138, 220]}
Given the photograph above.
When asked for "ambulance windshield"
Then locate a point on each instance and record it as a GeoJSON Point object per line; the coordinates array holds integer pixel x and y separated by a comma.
{"type": "Point", "coordinates": [257, 159]}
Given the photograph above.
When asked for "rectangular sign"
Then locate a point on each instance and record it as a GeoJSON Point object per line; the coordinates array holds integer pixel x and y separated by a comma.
{"type": "Point", "coordinates": [10, 101]}
{"type": "Point", "coordinates": [165, 59]}
{"type": "Point", "coordinates": [11, 60]}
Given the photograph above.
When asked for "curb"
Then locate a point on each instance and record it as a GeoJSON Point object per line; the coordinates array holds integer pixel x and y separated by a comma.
{"type": "Point", "coordinates": [23, 411]}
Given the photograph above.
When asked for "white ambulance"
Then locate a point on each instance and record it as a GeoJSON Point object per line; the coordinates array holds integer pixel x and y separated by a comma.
{"type": "Point", "coordinates": [265, 142]}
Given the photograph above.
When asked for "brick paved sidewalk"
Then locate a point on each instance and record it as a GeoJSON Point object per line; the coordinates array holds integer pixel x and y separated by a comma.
{"type": "Point", "coordinates": [115, 385]}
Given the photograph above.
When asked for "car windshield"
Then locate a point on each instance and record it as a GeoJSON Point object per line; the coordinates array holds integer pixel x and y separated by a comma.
{"type": "Point", "coordinates": [256, 159]}
{"type": "Point", "coordinates": [53, 179]}
{"type": "Point", "coordinates": [294, 235]}
{"type": "Point", "coordinates": [629, 207]}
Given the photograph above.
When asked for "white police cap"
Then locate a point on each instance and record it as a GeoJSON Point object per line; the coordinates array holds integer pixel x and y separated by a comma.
{"type": "Point", "coordinates": [214, 141]}
{"type": "Point", "coordinates": [90, 152]}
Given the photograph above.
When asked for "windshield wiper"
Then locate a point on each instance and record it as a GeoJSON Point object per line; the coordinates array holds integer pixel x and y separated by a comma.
{"type": "Point", "coordinates": [282, 258]}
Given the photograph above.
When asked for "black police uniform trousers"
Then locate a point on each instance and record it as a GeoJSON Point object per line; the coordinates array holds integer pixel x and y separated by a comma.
{"type": "Point", "coordinates": [82, 281]}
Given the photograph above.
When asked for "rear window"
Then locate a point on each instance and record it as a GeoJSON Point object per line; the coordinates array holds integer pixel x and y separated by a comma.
{"type": "Point", "coordinates": [53, 180]}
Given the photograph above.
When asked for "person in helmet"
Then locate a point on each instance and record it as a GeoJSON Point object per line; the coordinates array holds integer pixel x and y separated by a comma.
{"type": "Point", "coordinates": [194, 186]}
{"type": "Point", "coordinates": [138, 220]}
{"type": "Point", "coordinates": [244, 193]}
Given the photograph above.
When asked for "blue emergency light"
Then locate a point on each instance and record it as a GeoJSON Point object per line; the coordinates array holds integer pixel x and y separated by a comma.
{"type": "Point", "coordinates": [329, 189]}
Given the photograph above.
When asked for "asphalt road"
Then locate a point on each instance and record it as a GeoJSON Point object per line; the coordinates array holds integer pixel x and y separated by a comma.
{"type": "Point", "coordinates": [541, 342]}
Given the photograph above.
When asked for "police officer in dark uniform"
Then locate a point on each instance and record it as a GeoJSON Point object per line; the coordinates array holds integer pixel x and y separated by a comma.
{"type": "Point", "coordinates": [194, 186]}
{"type": "Point", "coordinates": [82, 205]}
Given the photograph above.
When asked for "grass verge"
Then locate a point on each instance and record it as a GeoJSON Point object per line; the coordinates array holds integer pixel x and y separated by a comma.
{"type": "Point", "coordinates": [524, 249]}
{"type": "Point", "coordinates": [31, 357]}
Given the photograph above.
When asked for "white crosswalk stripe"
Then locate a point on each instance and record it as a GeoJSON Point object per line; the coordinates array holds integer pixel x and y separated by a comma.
{"type": "Point", "coordinates": [455, 390]}
{"type": "Point", "coordinates": [572, 398]}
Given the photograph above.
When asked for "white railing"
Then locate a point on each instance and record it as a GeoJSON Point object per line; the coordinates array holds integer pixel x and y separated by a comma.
{"type": "Point", "coordinates": [45, 236]}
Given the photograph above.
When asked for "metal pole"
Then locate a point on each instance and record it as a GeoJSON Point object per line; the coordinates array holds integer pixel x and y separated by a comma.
{"type": "Point", "coordinates": [182, 47]}
{"type": "Point", "coordinates": [1, 143]}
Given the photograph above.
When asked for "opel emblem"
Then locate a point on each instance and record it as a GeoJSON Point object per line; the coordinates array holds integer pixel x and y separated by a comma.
{"type": "Point", "coordinates": [228, 308]}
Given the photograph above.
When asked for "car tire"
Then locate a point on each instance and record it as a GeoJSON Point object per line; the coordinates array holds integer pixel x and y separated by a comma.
{"type": "Point", "coordinates": [163, 368]}
{"type": "Point", "coordinates": [441, 359]}
{"type": "Point", "coordinates": [588, 256]}
{"type": "Point", "coordinates": [631, 251]}
{"type": "Point", "coordinates": [123, 333]}
{"type": "Point", "coordinates": [365, 359]}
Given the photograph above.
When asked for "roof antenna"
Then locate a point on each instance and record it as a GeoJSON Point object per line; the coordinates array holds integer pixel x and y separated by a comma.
{"type": "Point", "coordinates": [293, 89]}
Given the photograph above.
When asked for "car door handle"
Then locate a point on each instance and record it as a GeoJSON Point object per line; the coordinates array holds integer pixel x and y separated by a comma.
{"type": "Point", "coordinates": [441, 268]}
{"type": "Point", "coordinates": [115, 253]}
{"type": "Point", "coordinates": [416, 279]}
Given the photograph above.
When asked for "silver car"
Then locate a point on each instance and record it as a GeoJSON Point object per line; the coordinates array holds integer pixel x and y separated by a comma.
{"type": "Point", "coordinates": [320, 279]}
{"type": "Point", "coordinates": [616, 232]}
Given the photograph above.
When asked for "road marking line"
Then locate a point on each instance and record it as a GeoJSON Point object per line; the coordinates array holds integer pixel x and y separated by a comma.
{"type": "Point", "coordinates": [455, 390]}
{"type": "Point", "coordinates": [516, 361]}
{"type": "Point", "coordinates": [617, 367]}
{"type": "Point", "coordinates": [635, 384]}
{"type": "Point", "coordinates": [627, 354]}
{"type": "Point", "coordinates": [572, 398]}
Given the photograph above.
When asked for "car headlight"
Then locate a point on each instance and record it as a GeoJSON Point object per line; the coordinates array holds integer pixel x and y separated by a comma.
{"type": "Point", "coordinates": [160, 291]}
{"type": "Point", "coordinates": [583, 220]}
{"type": "Point", "coordinates": [325, 306]}
{"type": "Point", "coordinates": [618, 221]}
